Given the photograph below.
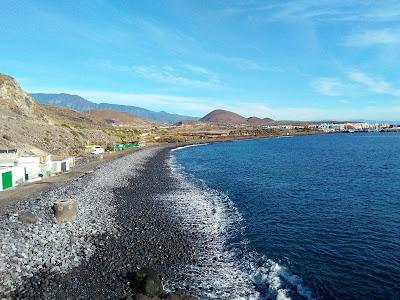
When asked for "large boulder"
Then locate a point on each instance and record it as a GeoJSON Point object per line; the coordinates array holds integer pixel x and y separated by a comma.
{"type": "Point", "coordinates": [27, 217]}
{"type": "Point", "coordinates": [65, 210]}
{"type": "Point", "coordinates": [147, 282]}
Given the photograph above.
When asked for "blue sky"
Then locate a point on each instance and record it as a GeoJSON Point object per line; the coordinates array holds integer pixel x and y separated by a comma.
{"type": "Point", "coordinates": [305, 60]}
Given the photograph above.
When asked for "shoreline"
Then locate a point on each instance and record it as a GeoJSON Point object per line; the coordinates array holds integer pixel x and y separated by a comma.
{"type": "Point", "coordinates": [28, 190]}
{"type": "Point", "coordinates": [120, 227]}
{"type": "Point", "coordinates": [132, 214]}
{"type": "Point", "coordinates": [33, 254]}
{"type": "Point", "coordinates": [138, 220]}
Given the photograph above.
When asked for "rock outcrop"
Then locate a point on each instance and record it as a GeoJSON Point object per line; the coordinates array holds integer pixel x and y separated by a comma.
{"type": "Point", "coordinates": [12, 96]}
{"type": "Point", "coordinates": [43, 129]}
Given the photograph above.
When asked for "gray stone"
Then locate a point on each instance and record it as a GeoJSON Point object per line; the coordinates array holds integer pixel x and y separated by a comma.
{"type": "Point", "coordinates": [152, 286]}
{"type": "Point", "coordinates": [65, 210]}
{"type": "Point", "coordinates": [27, 217]}
{"type": "Point", "coordinates": [148, 283]}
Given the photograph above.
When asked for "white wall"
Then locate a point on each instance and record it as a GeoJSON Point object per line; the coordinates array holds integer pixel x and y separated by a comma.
{"type": "Point", "coordinates": [18, 174]}
{"type": "Point", "coordinates": [32, 165]}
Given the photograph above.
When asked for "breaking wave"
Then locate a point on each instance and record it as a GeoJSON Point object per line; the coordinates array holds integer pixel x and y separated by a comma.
{"type": "Point", "coordinates": [188, 146]}
{"type": "Point", "coordinates": [224, 268]}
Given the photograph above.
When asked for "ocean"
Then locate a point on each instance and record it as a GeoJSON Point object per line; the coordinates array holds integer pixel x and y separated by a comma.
{"type": "Point", "coordinates": [310, 217]}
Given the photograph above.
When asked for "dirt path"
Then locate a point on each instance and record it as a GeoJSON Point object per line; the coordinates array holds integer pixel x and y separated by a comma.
{"type": "Point", "coordinates": [24, 191]}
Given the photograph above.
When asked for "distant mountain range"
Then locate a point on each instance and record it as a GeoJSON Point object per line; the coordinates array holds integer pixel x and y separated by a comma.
{"type": "Point", "coordinates": [225, 117]}
{"type": "Point", "coordinates": [81, 104]}
{"type": "Point", "coordinates": [29, 126]}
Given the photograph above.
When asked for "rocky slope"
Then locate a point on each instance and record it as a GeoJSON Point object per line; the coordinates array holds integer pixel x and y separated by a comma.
{"type": "Point", "coordinates": [27, 125]}
{"type": "Point", "coordinates": [225, 117]}
{"type": "Point", "coordinates": [13, 98]}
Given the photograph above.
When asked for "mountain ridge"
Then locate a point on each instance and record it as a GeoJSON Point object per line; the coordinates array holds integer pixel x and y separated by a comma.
{"type": "Point", "coordinates": [79, 103]}
{"type": "Point", "coordinates": [44, 129]}
{"type": "Point", "coordinates": [224, 117]}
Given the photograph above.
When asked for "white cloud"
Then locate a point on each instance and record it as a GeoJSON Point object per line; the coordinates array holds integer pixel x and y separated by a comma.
{"type": "Point", "coordinates": [198, 69]}
{"type": "Point", "coordinates": [358, 83]}
{"type": "Point", "coordinates": [188, 75]}
{"type": "Point", "coordinates": [373, 37]}
{"type": "Point", "coordinates": [376, 85]}
{"type": "Point", "coordinates": [329, 86]}
{"type": "Point", "coordinates": [246, 64]}
{"type": "Point", "coordinates": [171, 75]}
{"type": "Point", "coordinates": [332, 10]}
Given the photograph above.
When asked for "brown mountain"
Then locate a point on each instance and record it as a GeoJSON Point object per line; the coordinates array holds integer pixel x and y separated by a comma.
{"type": "Point", "coordinates": [118, 118]}
{"type": "Point", "coordinates": [224, 117]}
{"type": "Point", "coordinates": [220, 116]}
{"type": "Point", "coordinates": [254, 121]}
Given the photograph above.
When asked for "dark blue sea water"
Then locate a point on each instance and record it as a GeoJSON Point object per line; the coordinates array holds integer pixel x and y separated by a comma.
{"type": "Point", "coordinates": [323, 210]}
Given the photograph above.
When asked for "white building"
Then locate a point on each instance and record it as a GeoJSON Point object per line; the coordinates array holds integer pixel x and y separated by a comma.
{"type": "Point", "coordinates": [16, 169]}
{"type": "Point", "coordinates": [97, 150]}
{"type": "Point", "coordinates": [30, 165]}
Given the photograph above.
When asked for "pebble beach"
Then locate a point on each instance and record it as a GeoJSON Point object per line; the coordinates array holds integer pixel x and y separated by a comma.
{"type": "Point", "coordinates": [121, 226]}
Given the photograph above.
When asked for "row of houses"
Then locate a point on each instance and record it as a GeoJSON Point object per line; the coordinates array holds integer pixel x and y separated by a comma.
{"type": "Point", "coordinates": [350, 127]}
{"type": "Point", "coordinates": [334, 127]}
{"type": "Point", "coordinates": [19, 167]}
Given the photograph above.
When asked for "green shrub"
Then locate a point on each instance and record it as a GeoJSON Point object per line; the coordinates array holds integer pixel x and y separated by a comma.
{"type": "Point", "coordinates": [66, 126]}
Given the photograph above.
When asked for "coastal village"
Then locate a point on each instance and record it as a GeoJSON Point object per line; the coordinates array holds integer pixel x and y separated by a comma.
{"type": "Point", "coordinates": [200, 150]}
{"type": "Point", "coordinates": [26, 158]}
{"type": "Point", "coordinates": [59, 170]}
{"type": "Point", "coordinates": [18, 167]}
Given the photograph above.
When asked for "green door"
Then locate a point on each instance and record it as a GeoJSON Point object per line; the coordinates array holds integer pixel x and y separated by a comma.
{"type": "Point", "coordinates": [7, 180]}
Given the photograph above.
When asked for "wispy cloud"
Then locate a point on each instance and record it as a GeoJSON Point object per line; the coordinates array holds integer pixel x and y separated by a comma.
{"type": "Point", "coordinates": [373, 84]}
{"type": "Point", "coordinates": [246, 64]}
{"type": "Point", "coordinates": [330, 86]}
{"type": "Point", "coordinates": [334, 10]}
{"type": "Point", "coordinates": [171, 39]}
{"type": "Point", "coordinates": [180, 74]}
{"type": "Point", "coordinates": [357, 83]}
{"type": "Point", "coordinates": [373, 37]}
{"type": "Point", "coordinates": [171, 75]}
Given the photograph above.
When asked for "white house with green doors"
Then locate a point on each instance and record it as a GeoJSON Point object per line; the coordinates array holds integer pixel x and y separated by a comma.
{"type": "Point", "coordinates": [16, 169]}
{"type": "Point", "coordinates": [6, 178]}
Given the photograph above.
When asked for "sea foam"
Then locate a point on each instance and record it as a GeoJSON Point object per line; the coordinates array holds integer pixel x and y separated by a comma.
{"type": "Point", "coordinates": [188, 146]}
{"type": "Point", "coordinates": [224, 268]}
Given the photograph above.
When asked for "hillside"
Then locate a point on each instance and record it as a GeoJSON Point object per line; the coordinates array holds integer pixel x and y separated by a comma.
{"type": "Point", "coordinates": [80, 104]}
{"type": "Point", "coordinates": [220, 116]}
{"type": "Point", "coordinates": [118, 118]}
{"type": "Point", "coordinates": [27, 125]}
{"type": "Point", "coordinates": [254, 121]}
{"type": "Point", "coordinates": [224, 117]}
